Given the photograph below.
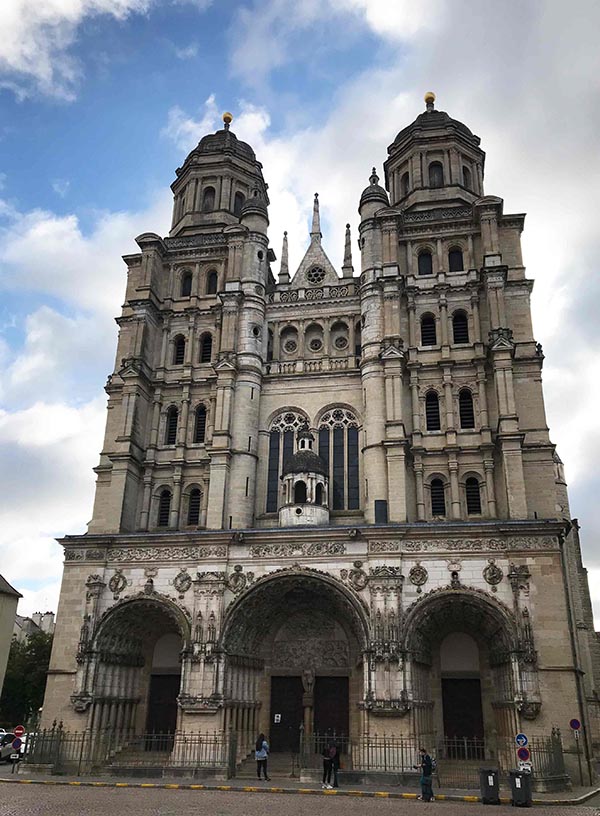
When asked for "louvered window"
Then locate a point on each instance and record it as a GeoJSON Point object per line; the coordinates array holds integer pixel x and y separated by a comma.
{"type": "Point", "coordinates": [200, 424]}
{"type": "Point", "coordinates": [460, 327]}
{"type": "Point", "coordinates": [438, 499]}
{"type": "Point", "coordinates": [428, 332]}
{"type": "Point", "coordinates": [208, 200]}
{"type": "Point", "coordinates": [425, 263]}
{"type": "Point", "coordinates": [238, 203]}
{"type": "Point", "coordinates": [455, 260]}
{"type": "Point", "coordinates": [164, 508]}
{"type": "Point", "coordinates": [211, 283]}
{"type": "Point", "coordinates": [179, 350]}
{"type": "Point", "coordinates": [432, 411]}
{"type": "Point", "coordinates": [171, 426]}
{"type": "Point", "coordinates": [186, 284]}
{"type": "Point", "coordinates": [206, 348]}
{"type": "Point", "coordinates": [436, 175]}
{"type": "Point", "coordinates": [194, 506]}
{"type": "Point", "coordinates": [467, 178]}
{"type": "Point", "coordinates": [473, 496]}
{"type": "Point", "coordinates": [465, 406]}
{"type": "Point", "coordinates": [404, 183]}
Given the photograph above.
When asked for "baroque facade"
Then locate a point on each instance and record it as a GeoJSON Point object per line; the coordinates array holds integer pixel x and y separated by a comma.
{"type": "Point", "coordinates": [329, 499]}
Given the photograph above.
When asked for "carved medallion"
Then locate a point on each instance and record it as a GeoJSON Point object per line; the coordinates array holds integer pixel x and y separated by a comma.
{"type": "Point", "coordinates": [418, 576]}
{"type": "Point", "coordinates": [493, 574]}
{"type": "Point", "coordinates": [237, 581]}
{"type": "Point", "coordinates": [117, 583]}
{"type": "Point", "coordinates": [182, 581]}
{"type": "Point", "coordinates": [357, 577]}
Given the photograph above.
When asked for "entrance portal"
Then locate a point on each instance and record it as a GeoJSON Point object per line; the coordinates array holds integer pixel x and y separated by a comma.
{"type": "Point", "coordinates": [331, 705]}
{"type": "Point", "coordinates": [286, 713]}
{"type": "Point", "coordinates": [461, 701]}
{"type": "Point", "coordinates": [162, 703]}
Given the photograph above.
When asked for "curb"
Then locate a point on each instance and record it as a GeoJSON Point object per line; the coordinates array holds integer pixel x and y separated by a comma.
{"type": "Point", "coordinates": [439, 797]}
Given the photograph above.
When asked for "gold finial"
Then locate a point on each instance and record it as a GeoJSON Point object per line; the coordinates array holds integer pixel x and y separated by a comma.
{"type": "Point", "coordinates": [429, 97]}
{"type": "Point", "coordinates": [227, 118]}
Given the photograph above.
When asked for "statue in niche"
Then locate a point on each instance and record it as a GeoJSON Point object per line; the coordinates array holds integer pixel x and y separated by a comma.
{"type": "Point", "coordinates": [308, 681]}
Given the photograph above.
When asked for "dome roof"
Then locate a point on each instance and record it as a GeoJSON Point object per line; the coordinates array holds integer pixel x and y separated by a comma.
{"type": "Point", "coordinates": [374, 192]}
{"type": "Point", "coordinates": [224, 141]}
{"type": "Point", "coordinates": [254, 202]}
{"type": "Point", "coordinates": [435, 120]}
{"type": "Point", "coordinates": [305, 461]}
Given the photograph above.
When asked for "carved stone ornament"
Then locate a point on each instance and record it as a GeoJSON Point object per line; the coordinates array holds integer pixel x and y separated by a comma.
{"type": "Point", "coordinates": [519, 577]}
{"type": "Point", "coordinates": [200, 705]}
{"type": "Point", "coordinates": [94, 586]}
{"type": "Point", "coordinates": [164, 553]}
{"type": "Point", "coordinates": [182, 581]}
{"type": "Point", "coordinates": [357, 577]}
{"type": "Point", "coordinates": [386, 571]}
{"type": "Point", "coordinates": [493, 574]}
{"type": "Point", "coordinates": [529, 709]}
{"type": "Point", "coordinates": [81, 702]}
{"type": "Point", "coordinates": [117, 583]}
{"type": "Point", "coordinates": [238, 581]}
{"type": "Point", "coordinates": [313, 548]}
{"type": "Point", "coordinates": [406, 545]}
{"type": "Point", "coordinates": [418, 576]}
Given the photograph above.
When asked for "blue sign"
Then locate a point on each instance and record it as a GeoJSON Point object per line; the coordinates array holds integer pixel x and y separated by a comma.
{"type": "Point", "coordinates": [521, 740]}
{"type": "Point", "coordinates": [575, 724]}
{"type": "Point", "coordinates": [524, 754]}
{"type": "Point", "coordinates": [16, 743]}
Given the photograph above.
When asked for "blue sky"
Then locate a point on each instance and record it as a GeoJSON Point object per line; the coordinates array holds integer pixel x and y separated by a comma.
{"type": "Point", "coordinates": [100, 100]}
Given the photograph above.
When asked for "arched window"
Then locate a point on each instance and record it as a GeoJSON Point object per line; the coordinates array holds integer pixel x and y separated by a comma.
{"type": "Point", "coordinates": [425, 263]}
{"type": "Point", "coordinates": [465, 407]}
{"type": "Point", "coordinates": [436, 174]}
{"type": "Point", "coordinates": [206, 348]}
{"type": "Point", "coordinates": [466, 177]}
{"type": "Point", "coordinates": [338, 448]}
{"type": "Point", "coordinates": [281, 447]}
{"type": "Point", "coordinates": [432, 411]}
{"type": "Point", "coordinates": [171, 426]}
{"type": "Point", "coordinates": [404, 184]}
{"type": "Point", "coordinates": [428, 332]}
{"type": "Point", "coordinates": [238, 203]}
{"type": "Point", "coordinates": [438, 499]}
{"type": "Point", "coordinates": [211, 282]}
{"type": "Point", "coordinates": [455, 260]}
{"type": "Point", "coordinates": [164, 507]}
{"type": "Point", "coordinates": [270, 345]}
{"type": "Point", "coordinates": [186, 284]}
{"type": "Point", "coordinates": [473, 496]}
{"type": "Point", "coordinates": [357, 341]}
{"type": "Point", "coordinates": [193, 516]}
{"type": "Point", "coordinates": [319, 494]}
{"type": "Point", "coordinates": [300, 493]}
{"type": "Point", "coordinates": [200, 424]}
{"type": "Point", "coordinates": [179, 350]}
{"type": "Point", "coordinates": [460, 327]}
{"type": "Point", "coordinates": [208, 199]}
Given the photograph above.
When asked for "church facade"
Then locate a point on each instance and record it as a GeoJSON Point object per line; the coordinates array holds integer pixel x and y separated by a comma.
{"type": "Point", "coordinates": [329, 499]}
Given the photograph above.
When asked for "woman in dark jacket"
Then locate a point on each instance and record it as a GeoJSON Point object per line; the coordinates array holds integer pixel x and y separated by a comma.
{"type": "Point", "coordinates": [331, 766]}
{"type": "Point", "coordinates": [261, 753]}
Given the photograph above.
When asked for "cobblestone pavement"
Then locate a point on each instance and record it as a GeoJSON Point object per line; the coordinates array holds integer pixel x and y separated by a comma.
{"type": "Point", "coordinates": [39, 800]}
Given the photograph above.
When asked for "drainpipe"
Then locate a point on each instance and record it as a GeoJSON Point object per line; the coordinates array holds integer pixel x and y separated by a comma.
{"type": "Point", "coordinates": [575, 650]}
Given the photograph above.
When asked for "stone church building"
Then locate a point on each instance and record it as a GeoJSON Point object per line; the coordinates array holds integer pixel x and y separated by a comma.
{"type": "Point", "coordinates": [329, 498]}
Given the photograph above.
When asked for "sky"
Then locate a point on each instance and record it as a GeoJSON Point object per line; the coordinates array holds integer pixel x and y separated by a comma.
{"type": "Point", "coordinates": [100, 101]}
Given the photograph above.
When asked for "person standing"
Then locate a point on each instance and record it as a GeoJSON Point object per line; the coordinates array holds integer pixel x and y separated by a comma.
{"type": "Point", "coordinates": [331, 766]}
{"type": "Point", "coordinates": [261, 753]}
{"type": "Point", "coordinates": [426, 781]}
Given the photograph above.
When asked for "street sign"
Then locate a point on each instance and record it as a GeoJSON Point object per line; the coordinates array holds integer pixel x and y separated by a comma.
{"type": "Point", "coordinates": [19, 731]}
{"type": "Point", "coordinates": [521, 740]}
{"type": "Point", "coordinates": [524, 754]}
{"type": "Point", "coordinates": [16, 743]}
{"type": "Point", "coordinates": [527, 767]}
{"type": "Point", "coordinates": [15, 757]}
{"type": "Point", "coordinates": [574, 724]}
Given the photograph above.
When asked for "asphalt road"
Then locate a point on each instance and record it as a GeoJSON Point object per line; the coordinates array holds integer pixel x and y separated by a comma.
{"type": "Point", "coordinates": [39, 800]}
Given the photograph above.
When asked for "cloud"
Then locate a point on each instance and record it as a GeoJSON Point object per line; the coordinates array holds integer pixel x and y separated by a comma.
{"type": "Point", "coordinates": [61, 187]}
{"type": "Point", "coordinates": [187, 52]}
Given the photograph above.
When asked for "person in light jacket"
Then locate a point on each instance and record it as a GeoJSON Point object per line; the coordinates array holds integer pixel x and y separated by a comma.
{"type": "Point", "coordinates": [261, 753]}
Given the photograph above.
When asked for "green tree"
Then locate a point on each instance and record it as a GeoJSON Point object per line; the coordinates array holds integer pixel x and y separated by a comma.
{"type": "Point", "coordinates": [25, 680]}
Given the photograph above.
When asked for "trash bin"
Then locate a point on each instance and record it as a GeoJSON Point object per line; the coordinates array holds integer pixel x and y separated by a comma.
{"type": "Point", "coordinates": [489, 786]}
{"type": "Point", "coordinates": [520, 788]}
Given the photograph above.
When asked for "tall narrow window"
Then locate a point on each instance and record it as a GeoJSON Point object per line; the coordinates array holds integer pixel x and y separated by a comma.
{"type": "Point", "coordinates": [164, 507]}
{"type": "Point", "coordinates": [338, 448]}
{"type": "Point", "coordinates": [211, 283]}
{"type": "Point", "coordinates": [179, 350]}
{"type": "Point", "coordinates": [438, 500]}
{"type": "Point", "coordinates": [171, 426]}
{"type": "Point", "coordinates": [238, 203]}
{"type": "Point", "coordinates": [273, 472]}
{"type": "Point", "coordinates": [281, 447]}
{"type": "Point", "coordinates": [432, 411]}
{"type": "Point", "coordinates": [186, 283]}
{"type": "Point", "coordinates": [466, 177]}
{"type": "Point", "coordinates": [428, 333]}
{"type": "Point", "coordinates": [353, 495]}
{"type": "Point", "coordinates": [460, 327]}
{"type": "Point", "coordinates": [319, 494]}
{"type": "Point", "coordinates": [300, 493]}
{"type": "Point", "coordinates": [425, 263]}
{"type": "Point", "coordinates": [200, 424]}
{"type": "Point", "coordinates": [436, 174]}
{"type": "Point", "coordinates": [206, 348]}
{"type": "Point", "coordinates": [404, 184]}
{"type": "Point", "coordinates": [208, 199]}
{"type": "Point", "coordinates": [455, 260]}
{"type": "Point", "coordinates": [338, 469]}
{"type": "Point", "coordinates": [465, 407]}
{"type": "Point", "coordinates": [473, 496]}
{"type": "Point", "coordinates": [194, 506]}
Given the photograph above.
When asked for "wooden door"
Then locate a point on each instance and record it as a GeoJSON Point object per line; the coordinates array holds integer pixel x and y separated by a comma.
{"type": "Point", "coordinates": [286, 713]}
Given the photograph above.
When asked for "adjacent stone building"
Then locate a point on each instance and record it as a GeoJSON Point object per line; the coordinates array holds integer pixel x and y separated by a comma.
{"type": "Point", "coordinates": [330, 498]}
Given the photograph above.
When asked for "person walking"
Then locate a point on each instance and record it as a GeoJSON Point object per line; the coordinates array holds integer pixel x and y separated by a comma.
{"type": "Point", "coordinates": [331, 766]}
{"type": "Point", "coordinates": [261, 753]}
{"type": "Point", "coordinates": [426, 781]}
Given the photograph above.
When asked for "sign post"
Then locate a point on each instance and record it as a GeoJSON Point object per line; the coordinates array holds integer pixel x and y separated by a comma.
{"type": "Point", "coordinates": [575, 725]}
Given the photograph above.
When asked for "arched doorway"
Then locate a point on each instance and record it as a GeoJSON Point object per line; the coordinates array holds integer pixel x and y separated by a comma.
{"type": "Point", "coordinates": [462, 650]}
{"type": "Point", "coordinates": [304, 634]}
{"type": "Point", "coordinates": [136, 672]}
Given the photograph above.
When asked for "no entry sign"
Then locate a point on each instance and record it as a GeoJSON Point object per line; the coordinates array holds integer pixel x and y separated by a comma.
{"type": "Point", "coordinates": [19, 731]}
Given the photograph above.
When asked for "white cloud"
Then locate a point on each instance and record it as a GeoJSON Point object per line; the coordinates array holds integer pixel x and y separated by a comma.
{"type": "Point", "coordinates": [61, 187]}
{"type": "Point", "coordinates": [187, 52]}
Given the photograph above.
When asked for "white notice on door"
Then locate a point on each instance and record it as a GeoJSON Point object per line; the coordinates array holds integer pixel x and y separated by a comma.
{"type": "Point", "coordinates": [277, 718]}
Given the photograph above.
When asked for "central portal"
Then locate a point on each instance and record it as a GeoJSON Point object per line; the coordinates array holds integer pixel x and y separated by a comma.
{"type": "Point", "coordinates": [329, 704]}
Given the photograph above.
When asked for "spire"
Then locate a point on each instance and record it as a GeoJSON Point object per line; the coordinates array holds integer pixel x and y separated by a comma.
{"type": "Point", "coordinates": [315, 233]}
{"type": "Point", "coordinates": [284, 269]}
{"type": "Point", "coordinates": [347, 268]}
